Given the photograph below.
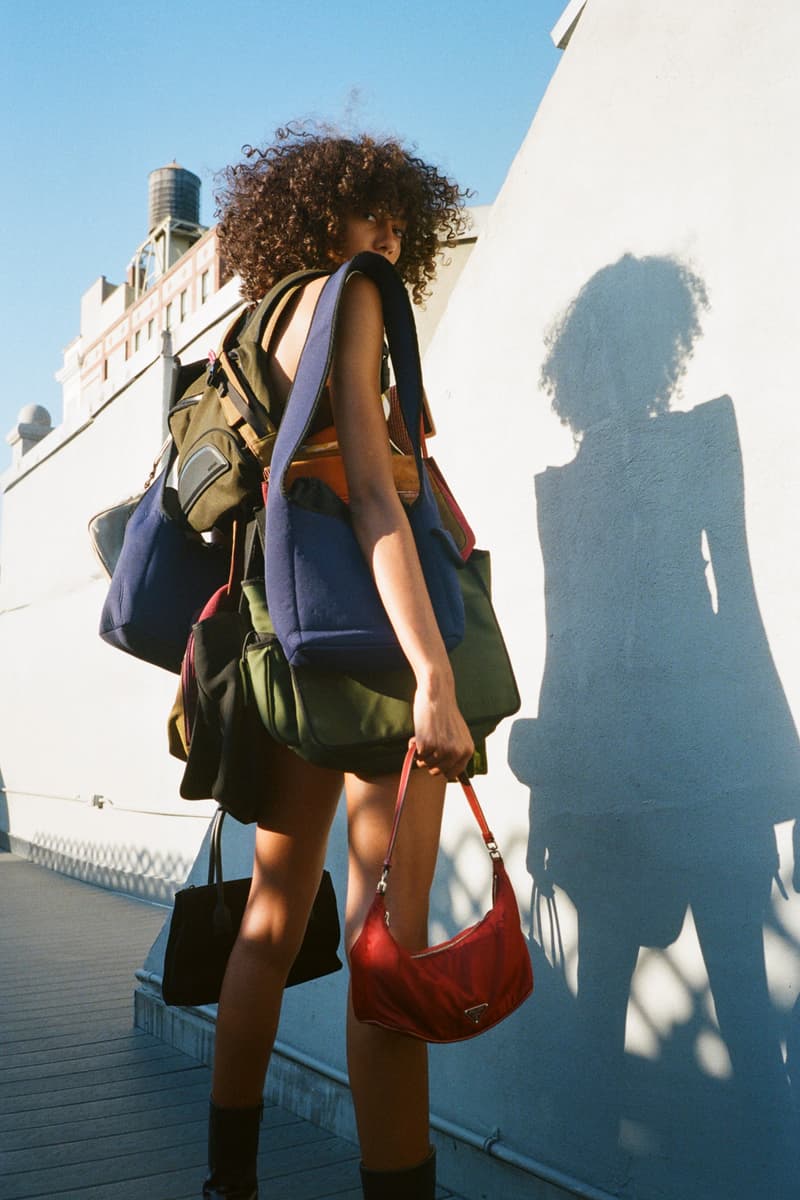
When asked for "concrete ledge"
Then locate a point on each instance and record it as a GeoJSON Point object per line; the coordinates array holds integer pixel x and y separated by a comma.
{"type": "Point", "coordinates": [190, 1030]}
{"type": "Point", "coordinates": [320, 1094]}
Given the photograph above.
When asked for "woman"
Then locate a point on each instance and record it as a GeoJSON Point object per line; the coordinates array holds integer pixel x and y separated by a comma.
{"type": "Point", "coordinates": [313, 200]}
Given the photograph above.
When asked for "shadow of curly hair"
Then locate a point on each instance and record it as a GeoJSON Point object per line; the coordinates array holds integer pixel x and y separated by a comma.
{"type": "Point", "coordinates": [283, 209]}
{"type": "Point", "coordinates": [624, 342]}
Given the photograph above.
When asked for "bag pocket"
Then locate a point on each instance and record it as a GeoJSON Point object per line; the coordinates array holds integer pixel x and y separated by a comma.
{"type": "Point", "coordinates": [217, 476]}
{"type": "Point", "coordinates": [270, 688]}
{"type": "Point", "coordinates": [361, 721]}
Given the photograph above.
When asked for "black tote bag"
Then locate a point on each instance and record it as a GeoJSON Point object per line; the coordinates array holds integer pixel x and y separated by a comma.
{"type": "Point", "coordinates": [205, 922]}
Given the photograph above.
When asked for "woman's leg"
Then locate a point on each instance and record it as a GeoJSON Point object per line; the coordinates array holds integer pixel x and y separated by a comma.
{"type": "Point", "coordinates": [289, 857]}
{"type": "Point", "coordinates": [389, 1071]}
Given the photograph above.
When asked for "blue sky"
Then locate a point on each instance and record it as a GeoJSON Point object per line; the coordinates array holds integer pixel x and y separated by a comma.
{"type": "Point", "coordinates": [97, 93]}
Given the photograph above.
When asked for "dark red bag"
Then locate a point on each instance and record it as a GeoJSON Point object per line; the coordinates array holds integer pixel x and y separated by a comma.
{"type": "Point", "coordinates": [452, 991]}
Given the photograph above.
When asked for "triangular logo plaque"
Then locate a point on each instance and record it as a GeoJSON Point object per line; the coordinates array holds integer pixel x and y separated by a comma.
{"type": "Point", "coordinates": [476, 1012]}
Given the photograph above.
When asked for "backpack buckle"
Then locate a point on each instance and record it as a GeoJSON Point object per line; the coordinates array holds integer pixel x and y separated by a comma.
{"type": "Point", "coordinates": [213, 369]}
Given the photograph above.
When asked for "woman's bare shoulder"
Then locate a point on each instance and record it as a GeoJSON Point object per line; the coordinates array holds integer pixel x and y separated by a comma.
{"type": "Point", "coordinates": [361, 308]}
{"type": "Point", "coordinates": [363, 291]}
{"type": "Point", "coordinates": [286, 340]}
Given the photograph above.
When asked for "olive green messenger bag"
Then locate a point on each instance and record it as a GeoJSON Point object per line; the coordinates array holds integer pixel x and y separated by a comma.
{"type": "Point", "coordinates": [363, 722]}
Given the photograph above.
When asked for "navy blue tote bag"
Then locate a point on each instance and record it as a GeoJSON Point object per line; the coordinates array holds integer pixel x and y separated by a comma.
{"type": "Point", "coordinates": [164, 575]}
{"type": "Point", "coordinates": [321, 596]}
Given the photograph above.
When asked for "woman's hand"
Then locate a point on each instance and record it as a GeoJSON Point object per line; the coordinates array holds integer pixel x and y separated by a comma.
{"type": "Point", "coordinates": [444, 743]}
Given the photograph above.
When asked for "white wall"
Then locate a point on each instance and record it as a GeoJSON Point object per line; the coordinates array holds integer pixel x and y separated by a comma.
{"type": "Point", "coordinates": [657, 746]}
{"type": "Point", "coordinates": [79, 719]}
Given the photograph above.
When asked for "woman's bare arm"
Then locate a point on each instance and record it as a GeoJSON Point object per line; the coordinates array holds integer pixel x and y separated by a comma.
{"type": "Point", "coordinates": [383, 531]}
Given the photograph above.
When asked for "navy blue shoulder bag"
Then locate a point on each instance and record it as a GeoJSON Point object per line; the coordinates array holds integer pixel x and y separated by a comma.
{"type": "Point", "coordinates": [321, 595]}
{"type": "Point", "coordinates": [163, 576]}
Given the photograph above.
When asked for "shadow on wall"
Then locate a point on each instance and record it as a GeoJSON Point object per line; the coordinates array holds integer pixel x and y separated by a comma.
{"type": "Point", "coordinates": [664, 751]}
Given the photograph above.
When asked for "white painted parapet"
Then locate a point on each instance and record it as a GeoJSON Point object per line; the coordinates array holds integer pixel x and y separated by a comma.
{"type": "Point", "coordinates": [86, 783]}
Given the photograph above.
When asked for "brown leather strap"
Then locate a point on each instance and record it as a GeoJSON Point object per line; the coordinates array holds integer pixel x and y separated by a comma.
{"type": "Point", "coordinates": [397, 426]}
{"type": "Point", "coordinates": [234, 417]}
{"type": "Point", "coordinates": [235, 570]}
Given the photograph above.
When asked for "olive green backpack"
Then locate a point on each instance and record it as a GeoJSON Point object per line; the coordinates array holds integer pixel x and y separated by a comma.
{"type": "Point", "coordinates": [224, 421]}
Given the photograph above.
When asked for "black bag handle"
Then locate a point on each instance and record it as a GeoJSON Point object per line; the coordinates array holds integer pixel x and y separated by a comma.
{"type": "Point", "coordinates": [222, 921]}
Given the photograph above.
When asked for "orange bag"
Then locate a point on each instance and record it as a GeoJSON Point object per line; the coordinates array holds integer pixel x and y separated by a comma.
{"type": "Point", "coordinates": [321, 459]}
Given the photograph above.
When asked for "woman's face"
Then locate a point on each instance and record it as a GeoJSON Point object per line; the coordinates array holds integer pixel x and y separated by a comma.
{"type": "Point", "coordinates": [380, 232]}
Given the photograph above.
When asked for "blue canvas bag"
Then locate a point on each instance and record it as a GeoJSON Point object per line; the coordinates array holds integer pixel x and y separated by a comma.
{"type": "Point", "coordinates": [162, 578]}
{"type": "Point", "coordinates": [321, 595]}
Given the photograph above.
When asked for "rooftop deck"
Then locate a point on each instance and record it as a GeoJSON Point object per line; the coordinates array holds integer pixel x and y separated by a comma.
{"type": "Point", "coordinates": [92, 1107]}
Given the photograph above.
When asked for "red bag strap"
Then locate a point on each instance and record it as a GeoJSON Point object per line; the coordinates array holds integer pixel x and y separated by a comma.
{"type": "Point", "coordinates": [398, 435]}
{"type": "Point", "coordinates": [397, 427]}
{"type": "Point", "coordinates": [223, 599]}
{"type": "Point", "coordinates": [469, 792]}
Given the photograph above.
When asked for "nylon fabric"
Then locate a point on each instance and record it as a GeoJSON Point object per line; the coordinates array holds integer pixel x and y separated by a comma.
{"type": "Point", "coordinates": [323, 600]}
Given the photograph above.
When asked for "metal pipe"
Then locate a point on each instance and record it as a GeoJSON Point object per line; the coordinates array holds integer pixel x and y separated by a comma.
{"type": "Point", "coordinates": [41, 795]}
{"type": "Point", "coordinates": [493, 1145]}
{"type": "Point", "coordinates": [148, 977]}
{"type": "Point", "coordinates": [101, 801]}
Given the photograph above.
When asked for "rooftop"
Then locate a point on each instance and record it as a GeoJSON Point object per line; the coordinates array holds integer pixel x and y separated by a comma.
{"type": "Point", "coordinates": [92, 1107]}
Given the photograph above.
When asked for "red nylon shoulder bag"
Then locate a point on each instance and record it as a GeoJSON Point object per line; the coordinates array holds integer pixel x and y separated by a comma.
{"type": "Point", "coordinates": [449, 992]}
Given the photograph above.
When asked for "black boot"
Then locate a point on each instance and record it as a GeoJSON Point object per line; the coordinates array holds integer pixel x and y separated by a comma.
{"type": "Point", "coordinates": [232, 1150]}
{"type": "Point", "coordinates": [415, 1183]}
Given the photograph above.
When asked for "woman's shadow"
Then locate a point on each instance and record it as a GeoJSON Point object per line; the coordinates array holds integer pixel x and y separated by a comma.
{"type": "Point", "coordinates": [664, 750]}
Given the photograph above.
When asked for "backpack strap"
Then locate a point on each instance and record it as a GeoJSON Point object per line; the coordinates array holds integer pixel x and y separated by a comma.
{"type": "Point", "coordinates": [278, 312]}
{"type": "Point", "coordinates": [268, 310]}
{"type": "Point", "coordinates": [242, 416]}
{"type": "Point", "coordinates": [242, 409]}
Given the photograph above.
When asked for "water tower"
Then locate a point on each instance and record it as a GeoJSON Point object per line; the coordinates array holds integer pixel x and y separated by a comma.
{"type": "Point", "coordinates": [173, 224]}
{"type": "Point", "coordinates": [173, 192]}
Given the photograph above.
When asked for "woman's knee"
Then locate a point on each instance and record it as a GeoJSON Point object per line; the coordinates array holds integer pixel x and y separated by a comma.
{"type": "Point", "coordinates": [272, 929]}
{"type": "Point", "coordinates": [273, 957]}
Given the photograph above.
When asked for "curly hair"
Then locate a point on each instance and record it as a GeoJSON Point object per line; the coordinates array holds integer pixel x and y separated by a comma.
{"type": "Point", "coordinates": [284, 208]}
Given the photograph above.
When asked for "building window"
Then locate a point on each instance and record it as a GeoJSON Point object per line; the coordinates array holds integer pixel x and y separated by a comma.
{"type": "Point", "coordinates": [182, 301]}
{"type": "Point", "coordinates": [105, 369]}
{"type": "Point", "coordinates": [150, 325]}
{"type": "Point", "coordinates": [137, 340]}
{"type": "Point", "coordinates": [204, 286]}
{"type": "Point", "coordinates": [168, 316]}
